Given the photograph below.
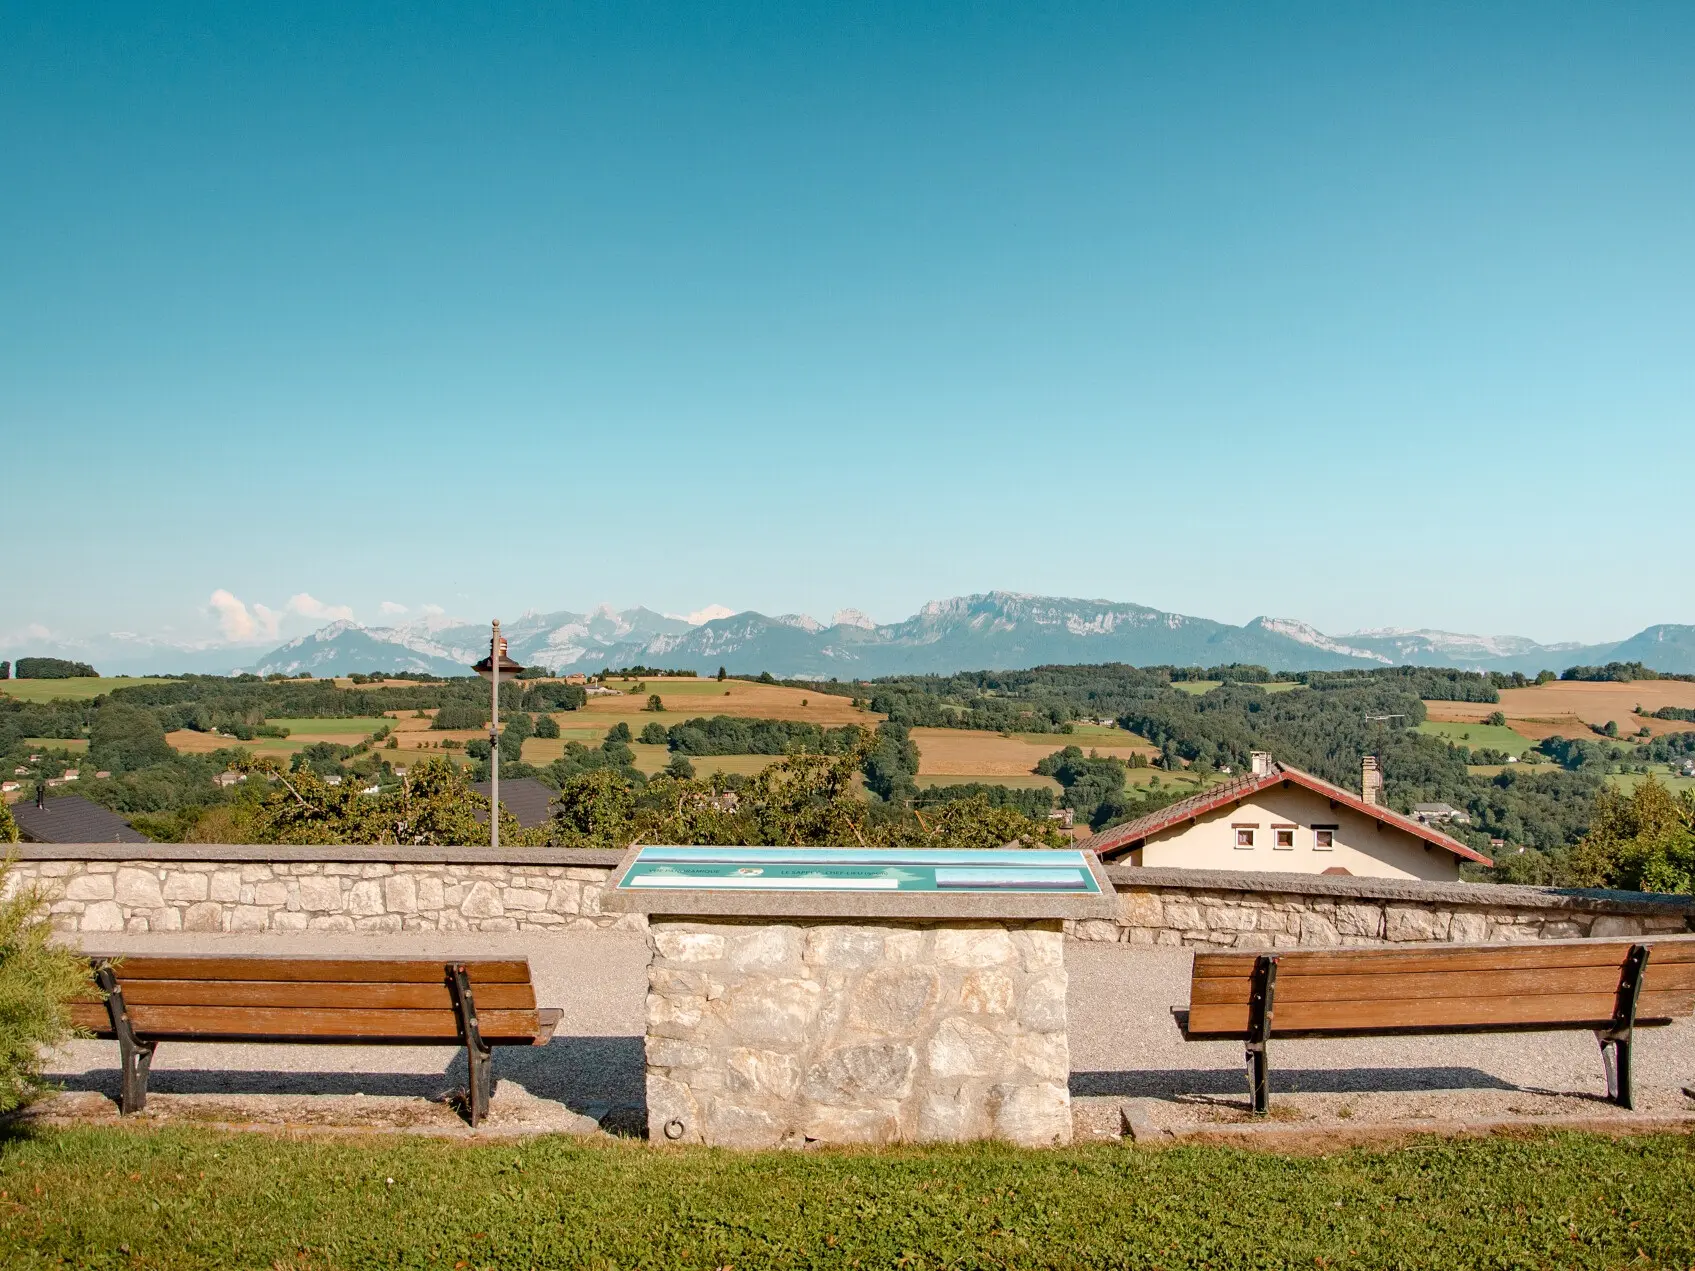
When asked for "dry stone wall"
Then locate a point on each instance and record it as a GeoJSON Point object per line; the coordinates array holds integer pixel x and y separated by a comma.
{"type": "Point", "coordinates": [772, 1035]}
{"type": "Point", "coordinates": [91, 897]}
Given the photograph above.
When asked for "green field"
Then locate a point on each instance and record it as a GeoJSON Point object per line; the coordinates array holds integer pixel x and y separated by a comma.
{"type": "Point", "coordinates": [1493, 736]}
{"type": "Point", "coordinates": [189, 1198]}
{"type": "Point", "coordinates": [1198, 687]}
{"type": "Point", "coordinates": [1630, 780]}
{"type": "Point", "coordinates": [1029, 781]}
{"type": "Point", "coordinates": [77, 745]}
{"type": "Point", "coordinates": [357, 728]}
{"type": "Point", "coordinates": [77, 690]}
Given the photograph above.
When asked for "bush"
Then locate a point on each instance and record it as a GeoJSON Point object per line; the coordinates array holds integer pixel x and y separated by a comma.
{"type": "Point", "coordinates": [38, 980]}
{"type": "Point", "coordinates": [654, 703]}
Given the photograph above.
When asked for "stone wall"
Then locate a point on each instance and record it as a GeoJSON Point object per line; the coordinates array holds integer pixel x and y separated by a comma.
{"type": "Point", "coordinates": [762, 1035]}
{"type": "Point", "coordinates": [1278, 911]}
{"type": "Point", "coordinates": [106, 887]}
{"type": "Point", "coordinates": [94, 896]}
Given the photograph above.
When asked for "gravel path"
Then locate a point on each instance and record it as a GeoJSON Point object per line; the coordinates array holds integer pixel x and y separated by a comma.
{"type": "Point", "coordinates": [1124, 1050]}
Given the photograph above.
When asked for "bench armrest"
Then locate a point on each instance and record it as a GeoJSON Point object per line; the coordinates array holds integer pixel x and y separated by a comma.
{"type": "Point", "coordinates": [548, 1017]}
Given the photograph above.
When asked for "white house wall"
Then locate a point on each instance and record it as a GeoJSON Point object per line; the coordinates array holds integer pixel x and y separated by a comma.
{"type": "Point", "coordinates": [1364, 846]}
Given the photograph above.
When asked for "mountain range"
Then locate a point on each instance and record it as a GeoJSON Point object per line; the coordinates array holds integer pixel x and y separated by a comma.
{"type": "Point", "coordinates": [1002, 630]}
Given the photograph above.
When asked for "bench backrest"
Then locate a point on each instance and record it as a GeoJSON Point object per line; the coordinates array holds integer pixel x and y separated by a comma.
{"type": "Point", "coordinates": [1554, 984]}
{"type": "Point", "coordinates": [315, 999]}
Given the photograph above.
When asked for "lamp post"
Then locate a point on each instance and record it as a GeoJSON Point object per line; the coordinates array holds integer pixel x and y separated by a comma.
{"type": "Point", "coordinates": [491, 669]}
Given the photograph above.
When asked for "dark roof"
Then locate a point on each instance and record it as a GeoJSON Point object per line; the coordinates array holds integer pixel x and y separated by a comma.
{"type": "Point", "coordinates": [72, 819]}
{"type": "Point", "coordinates": [524, 797]}
{"type": "Point", "coordinates": [1121, 838]}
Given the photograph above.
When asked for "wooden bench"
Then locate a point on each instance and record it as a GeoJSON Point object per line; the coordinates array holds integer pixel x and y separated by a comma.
{"type": "Point", "coordinates": [478, 1004]}
{"type": "Point", "coordinates": [1610, 986]}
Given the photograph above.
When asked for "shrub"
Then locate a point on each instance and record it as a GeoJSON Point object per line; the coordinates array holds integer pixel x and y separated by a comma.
{"type": "Point", "coordinates": [38, 979]}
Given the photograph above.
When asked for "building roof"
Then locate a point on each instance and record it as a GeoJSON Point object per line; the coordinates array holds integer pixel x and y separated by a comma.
{"type": "Point", "coordinates": [524, 797]}
{"type": "Point", "coordinates": [1121, 838]}
{"type": "Point", "coordinates": [73, 819]}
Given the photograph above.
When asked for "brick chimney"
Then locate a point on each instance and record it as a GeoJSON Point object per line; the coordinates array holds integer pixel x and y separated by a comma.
{"type": "Point", "coordinates": [1371, 781]}
{"type": "Point", "coordinates": [1260, 761]}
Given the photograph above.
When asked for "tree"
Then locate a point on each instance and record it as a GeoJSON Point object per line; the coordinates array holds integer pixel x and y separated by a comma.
{"type": "Point", "coordinates": [679, 767]}
{"type": "Point", "coordinates": [547, 726]}
{"type": "Point", "coordinates": [1642, 841]}
{"type": "Point", "coordinates": [6, 670]}
{"type": "Point", "coordinates": [654, 703]}
{"type": "Point", "coordinates": [38, 981]}
{"type": "Point", "coordinates": [1498, 719]}
{"type": "Point", "coordinates": [433, 805]}
{"type": "Point", "coordinates": [454, 716]}
{"type": "Point", "coordinates": [54, 669]}
{"type": "Point", "coordinates": [722, 675]}
{"type": "Point", "coordinates": [127, 738]}
{"type": "Point", "coordinates": [619, 732]}
{"type": "Point", "coordinates": [8, 827]}
{"type": "Point", "coordinates": [654, 734]}
{"type": "Point", "coordinates": [891, 764]}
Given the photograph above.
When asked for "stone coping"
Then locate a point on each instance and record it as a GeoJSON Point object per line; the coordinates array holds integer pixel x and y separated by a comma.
{"type": "Point", "coordinates": [859, 906]}
{"type": "Point", "coordinates": [1411, 890]}
{"type": "Point", "coordinates": [387, 854]}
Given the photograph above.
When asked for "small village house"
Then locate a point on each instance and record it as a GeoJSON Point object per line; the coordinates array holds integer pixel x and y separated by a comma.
{"type": "Point", "coordinates": [1278, 819]}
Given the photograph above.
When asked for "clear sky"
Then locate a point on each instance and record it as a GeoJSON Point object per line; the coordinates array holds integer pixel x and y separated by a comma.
{"type": "Point", "coordinates": [1364, 314]}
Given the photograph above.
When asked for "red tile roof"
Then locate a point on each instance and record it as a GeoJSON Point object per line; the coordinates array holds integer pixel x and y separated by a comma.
{"type": "Point", "coordinates": [1120, 838]}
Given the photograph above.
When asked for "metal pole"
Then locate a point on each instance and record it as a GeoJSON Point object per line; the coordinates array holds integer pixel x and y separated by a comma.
{"type": "Point", "coordinates": [494, 738]}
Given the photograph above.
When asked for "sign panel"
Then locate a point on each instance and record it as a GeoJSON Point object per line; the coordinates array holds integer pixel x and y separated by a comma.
{"type": "Point", "coordinates": [833, 869]}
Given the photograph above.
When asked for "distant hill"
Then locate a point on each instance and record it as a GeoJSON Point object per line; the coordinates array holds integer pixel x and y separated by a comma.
{"type": "Point", "coordinates": [1004, 630]}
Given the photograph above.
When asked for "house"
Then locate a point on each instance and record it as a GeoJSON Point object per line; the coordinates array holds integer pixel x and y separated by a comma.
{"type": "Point", "coordinates": [1065, 816]}
{"type": "Point", "coordinates": [228, 779]}
{"type": "Point", "coordinates": [71, 774]}
{"type": "Point", "coordinates": [1278, 819]}
{"type": "Point", "coordinates": [524, 797]}
{"type": "Point", "coordinates": [6, 787]}
{"type": "Point", "coordinates": [1432, 813]}
{"type": "Point", "coordinates": [576, 677]}
{"type": "Point", "coordinates": [73, 819]}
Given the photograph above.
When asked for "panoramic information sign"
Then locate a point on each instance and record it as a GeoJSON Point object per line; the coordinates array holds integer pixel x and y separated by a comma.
{"type": "Point", "coordinates": [814, 869]}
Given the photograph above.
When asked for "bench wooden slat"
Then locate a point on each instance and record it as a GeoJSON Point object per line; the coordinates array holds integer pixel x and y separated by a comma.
{"type": "Point", "coordinates": [308, 994]}
{"type": "Point", "coordinates": [185, 1023]}
{"type": "Point", "coordinates": [1587, 1010]}
{"type": "Point", "coordinates": [1527, 957]}
{"type": "Point", "coordinates": [1293, 985]}
{"type": "Point", "coordinates": [344, 970]}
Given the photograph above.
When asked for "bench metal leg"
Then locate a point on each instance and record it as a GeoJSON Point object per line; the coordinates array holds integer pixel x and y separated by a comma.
{"type": "Point", "coordinates": [1261, 1002]}
{"type": "Point", "coordinates": [479, 1060]}
{"type": "Point", "coordinates": [1618, 1040]}
{"type": "Point", "coordinates": [135, 1057]}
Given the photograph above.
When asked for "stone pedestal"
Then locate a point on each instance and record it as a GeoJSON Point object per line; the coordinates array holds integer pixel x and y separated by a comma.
{"type": "Point", "coordinates": [781, 1012]}
{"type": "Point", "coordinates": [782, 1034]}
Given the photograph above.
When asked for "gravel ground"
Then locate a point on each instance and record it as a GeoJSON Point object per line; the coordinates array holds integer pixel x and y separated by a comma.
{"type": "Point", "coordinates": [1125, 1054]}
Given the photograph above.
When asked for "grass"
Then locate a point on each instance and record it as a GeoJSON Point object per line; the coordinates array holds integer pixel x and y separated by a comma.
{"type": "Point", "coordinates": [1029, 781]}
{"type": "Point", "coordinates": [357, 728]}
{"type": "Point", "coordinates": [1628, 781]}
{"type": "Point", "coordinates": [1493, 736]}
{"type": "Point", "coordinates": [187, 1198]}
{"type": "Point", "coordinates": [78, 745]}
{"type": "Point", "coordinates": [74, 690]}
{"type": "Point", "coordinates": [1198, 687]}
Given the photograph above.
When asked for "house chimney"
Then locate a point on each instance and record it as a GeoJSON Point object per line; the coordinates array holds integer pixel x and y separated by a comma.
{"type": "Point", "coordinates": [1261, 761]}
{"type": "Point", "coordinates": [1371, 781]}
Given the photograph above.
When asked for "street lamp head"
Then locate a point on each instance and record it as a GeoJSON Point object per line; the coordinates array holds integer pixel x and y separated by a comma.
{"type": "Point", "coordinates": [497, 650]}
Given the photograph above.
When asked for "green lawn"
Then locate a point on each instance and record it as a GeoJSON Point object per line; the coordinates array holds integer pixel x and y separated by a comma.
{"type": "Point", "coordinates": [185, 1198]}
{"type": "Point", "coordinates": [77, 745]}
{"type": "Point", "coordinates": [1198, 687]}
{"type": "Point", "coordinates": [76, 690]}
{"type": "Point", "coordinates": [1630, 780]}
{"type": "Point", "coordinates": [1474, 735]}
{"type": "Point", "coordinates": [356, 729]}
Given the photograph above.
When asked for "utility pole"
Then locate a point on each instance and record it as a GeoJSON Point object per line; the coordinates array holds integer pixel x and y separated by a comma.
{"type": "Point", "coordinates": [490, 669]}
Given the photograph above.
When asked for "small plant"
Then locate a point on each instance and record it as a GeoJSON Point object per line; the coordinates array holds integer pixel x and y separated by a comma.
{"type": "Point", "coordinates": [38, 980]}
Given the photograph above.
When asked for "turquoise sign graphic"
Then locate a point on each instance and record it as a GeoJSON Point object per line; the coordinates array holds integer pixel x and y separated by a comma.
{"type": "Point", "coordinates": [846, 869]}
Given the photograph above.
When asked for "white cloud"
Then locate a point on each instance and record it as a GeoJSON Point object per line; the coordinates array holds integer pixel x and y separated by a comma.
{"type": "Point", "coordinates": [35, 631]}
{"type": "Point", "coordinates": [432, 611]}
{"type": "Point", "coordinates": [390, 608]}
{"type": "Point", "coordinates": [708, 614]}
{"type": "Point", "coordinates": [238, 623]}
{"type": "Point", "coordinates": [311, 607]}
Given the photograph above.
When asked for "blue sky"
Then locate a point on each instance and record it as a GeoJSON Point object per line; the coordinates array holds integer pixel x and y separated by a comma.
{"type": "Point", "coordinates": [1362, 314]}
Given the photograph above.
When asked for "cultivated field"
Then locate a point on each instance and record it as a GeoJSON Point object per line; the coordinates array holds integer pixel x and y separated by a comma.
{"type": "Point", "coordinates": [685, 699]}
{"type": "Point", "coordinates": [1565, 708]}
{"type": "Point", "coordinates": [973, 754]}
{"type": "Point", "coordinates": [76, 690]}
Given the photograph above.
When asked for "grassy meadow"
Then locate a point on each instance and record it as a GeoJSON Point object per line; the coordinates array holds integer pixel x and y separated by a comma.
{"type": "Point", "coordinates": [1198, 687]}
{"type": "Point", "coordinates": [195, 1198]}
{"type": "Point", "coordinates": [76, 745]}
{"type": "Point", "coordinates": [80, 689]}
{"type": "Point", "coordinates": [1493, 736]}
